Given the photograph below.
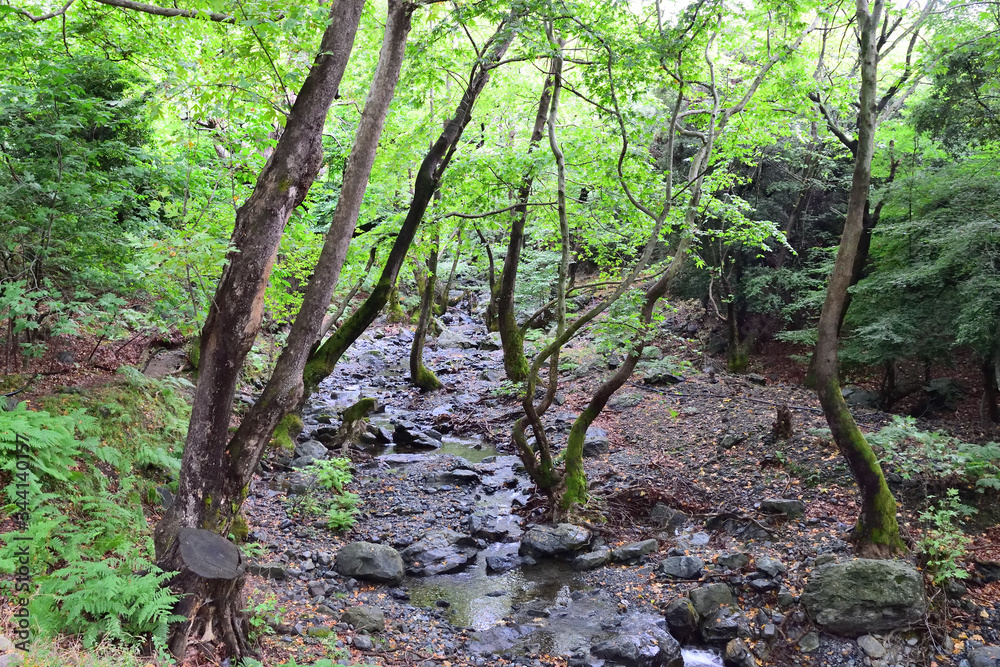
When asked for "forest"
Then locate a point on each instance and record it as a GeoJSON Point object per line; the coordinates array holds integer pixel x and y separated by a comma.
{"type": "Point", "coordinates": [465, 332]}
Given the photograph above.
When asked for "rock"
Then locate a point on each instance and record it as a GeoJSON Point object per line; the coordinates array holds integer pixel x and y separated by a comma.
{"type": "Point", "coordinates": [707, 599]}
{"type": "Point", "coordinates": [789, 507]}
{"type": "Point", "coordinates": [664, 516]}
{"type": "Point", "coordinates": [318, 631]}
{"type": "Point", "coordinates": [596, 443]}
{"type": "Point", "coordinates": [733, 560]}
{"type": "Point", "coordinates": [756, 378]}
{"type": "Point", "coordinates": [984, 656]}
{"type": "Point", "coordinates": [770, 566]}
{"type": "Point", "coordinates": [640, 642]}
{"type": "Point", "coordinates": [592, 560]}
{"type": "Point", "coordinates": [553, 541]}
{"type": "Point", "coordinates": [861, 596]}
{"type": "Point", "coordinates": [502, 562]}
{"type": "Point", "coordinates": [364, 618]}
{"type": "Point", "coordinates": [10, 660]}
{"type": "Point", "coordinates": [871, 646]}
{"type": "Point", "coordinates": [438, 552]}
{"type": "Point", "coordinates": [809, 642]}
{"type": "Point", "coordinates": [408, 434]}
{"type": "Point", "coordinates": [450, 339]}
{"type": "Point", "coordinates": [861, 398]}
{"type": "Point", "coordinates": [682, 619]}
{"type": "Point", "coordinates": [823, 559]}
{"type": "Point", "coordinates": [307, 452]}
{"type": "Point", "coordinates": [762, 584]}
{"type": "Point", "coordinates": [682, 567]}
{"type": "Point", "coordinates": [491, 342]}
{"type": "Point", "coordinates": [635, 550]}
{"type": "Point", "coordinates": [487, 524]}
{"type": "Point", "coordinates": [6, 645]}
{"type": "Point", "coordinates": [988, 571]}
{"type": "Point", "coordinates": [363, 643]}
{"type": "Point", "coordinates": [624, 401]}
{"type": "Point", "coordinates": [736, 654]}
{"type": "Point", "coordinates": [954, 589]}
{"type": "Point", "coordinates": [370, 562]}
{"type": "Point", "coordinates": [462, 476]}
{"type": "Point", "coordinates": [722, 626]}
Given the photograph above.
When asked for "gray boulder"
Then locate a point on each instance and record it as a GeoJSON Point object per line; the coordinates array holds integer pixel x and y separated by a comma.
{"type": "Point", "coordinates": [770, 566]}
{"type": "Point", "coordinates": [592, 559]}
{"type": "Point", "coordinates": [439, 552]}
{"type": "Point", "coordinates": [682, 619]}
{"type": "Point", "coordinates": [450, 339]}
{"type": "Point", "coordinates": [307, 452]}
{"type": "Point", "coordinates": [596, 443]}
{"type": "Point", "coordinates": [370, 562]}
{"type": "Point", "coordinates": [408, 434]}
{"type": "Point", "coordinates": [733, 560]}
{"type": "Point", "coordinates": [985, 656]}
{"type": "Point", "coordinates": [640, 642]}
{"type": "Point", "coordinates": [664, 516]}
{"type": "Point", "coordinates": [635, 550]}
{"type": "Point", "coordinates": [707, 599]}
{"type": "Point", "coordinates": [722, 626]}
{"type": "Point", "coordinates": [491, 342]}
{"type": "Point", "coordinates": [789, 507]}
{"type": "Point", "coordinates": [861, 596]}
{"type": "Point", "coordinates": [364, 617]}
{"type": "Point", "coordinates": [682, 567]}
{"type": "Point", "coordinates": [554, 541]}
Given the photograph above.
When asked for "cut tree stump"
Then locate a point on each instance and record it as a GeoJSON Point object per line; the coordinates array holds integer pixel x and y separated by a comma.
{"type": "Point", "coordinates": [211, 570]}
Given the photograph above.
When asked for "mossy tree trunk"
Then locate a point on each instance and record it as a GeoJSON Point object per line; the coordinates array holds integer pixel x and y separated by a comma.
{"type": "Point", "coordinates": [420, 375]}
{"type": "Point", "coordinates": [515, 364]}
{"type": "Point", "coordinates": [323, 360]}
{"type": "Point", "coordinates": [216, 469]}
{"type": "Point", "coordinates": [876, 530]}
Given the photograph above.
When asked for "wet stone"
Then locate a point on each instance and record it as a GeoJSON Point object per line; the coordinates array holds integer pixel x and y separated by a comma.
{"type": "Point", "coordinates": [592, 560]}
{"type": "Point", "coordinates": [364, 618]}
{"type": "Point", "coordinates": [721, 626]}
{"type": "Point", "coordinates": [733, 560]}
{"type": "Point", "coordinates": [789, 507]}
{"type": "Point", "coordinates": [682, 567]}
{"type": "Point", "coordinates": [769, 566]}
{"type": "Point", "coordinates": [635, 550]}
{"type": "Point", "coordinates": [554, 541]}
{"type": "Point", "coordinates": [707, 599]}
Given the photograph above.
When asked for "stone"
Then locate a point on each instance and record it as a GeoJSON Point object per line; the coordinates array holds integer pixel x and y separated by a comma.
{"type": "Point", "coordinates": [592, 560]}
{"type": "Point", "coordinates": [554, 541]}
{"type": "Point", "coordinates": [984, 656]}
{"type": "Point", "coordinates": [370, 562]}
{"type": "Point", "coordinates": [491, 342]}
{"type": "Point", "coordinates": [988, 571]}
{"type": "Point", "coordinates": [682, 567]}
{"type": "Point", "coordinates": [762, 584]}
{"type": "Point", "coordinates": [707, 599]}
{"type": "Point", "coordinates": [408, 434]}
{"type": "Point", "coordinates": [269, 571]}
{"type": "Point", "coordinates": [721, 626]}
{"type": "Point", "coordinates": [682, 619]}
{"type": "Point", "coordinates": [733, 560]}
{"type": "Point", "coordinates": [363, 643]}
{"type": "Point", "coordinates": [640, 642]}
{"type": "Point", "coordinates": [635, 550]}
{"type": "Point", "coordinates": [789, 507]}
{"type": "Point", "coordinates": [624, 401]}
{"type": "Point", "coordinates": [954, 589]}
{"type": "Point", "coordinates": [823, 559]}
{"type": "Point", "coordinates": [664, 516]}
{"type": "Point", "coordinates": [439, 552]}
{"type": "Point", "coordinates": [862, 398]}
{"type": "Point", "coordinates": [451, 340]}
{"type": "Point", "coordinates": [860, 596]}
{"type": "Point", "coordinates": [10, 660]}
{"type": "Point", "coordinates": [318, 631]}
{"type": "Point", "coordinates": [502, 562]}
{"type": "Point", "coordinates": [809, 642]}
{"type": "Point", "coordinates": [872, 647]}
{"type": "Point", "coordinates": [736, 653]}
{"type": "Point", "coordinates": [364, 618]}
{"type": "Point", "coordinates": [596, 442]}
{"type": "Point", "coordinates": [770, 566]}
{"type": "Point", "coordinates": [487, 524]}
{"type": "Point", "coordinates": [307, 452]}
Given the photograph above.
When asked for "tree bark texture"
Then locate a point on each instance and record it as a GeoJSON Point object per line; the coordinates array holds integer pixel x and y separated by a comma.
{"type": "Point", "coordinates": [420, 375]}
{"type": "Point", "coordinates": [515, 364]}
{"type": "Point", "coordinates": [322, 362]}
{"type": "Point", "coordinates": [876, 530]}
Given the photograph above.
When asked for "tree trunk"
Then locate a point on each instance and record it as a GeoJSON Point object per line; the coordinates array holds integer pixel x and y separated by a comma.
{"type": "Point", "coordinates": [446, 297]}
{"type": "Point", "coordinates": [514, 362]}
{"type": "Point", "coordinates": [420, 375]}
{"type": "Point", "coordinates": [216, 471]}
{"type": "Point", "coordinates": [876, 530]}
{"type": "Point", "coordinates": [989, 409]}
{"type": "Point", "coordinates": [322, 362]}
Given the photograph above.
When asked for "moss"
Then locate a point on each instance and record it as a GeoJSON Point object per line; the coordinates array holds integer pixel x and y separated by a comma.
{"type": "Point", "coordinates": [426, 380]}
{"type": "Point", "coordinates": [575, 480]}
{"type": "Point", "coordinates": [358, 411]}
{"type": "Point", "coordinates": [240, 530]}
{"type": "Point", "coordinates": [285, 432]}
{"type": "Point", "coordinates": [194, 352]}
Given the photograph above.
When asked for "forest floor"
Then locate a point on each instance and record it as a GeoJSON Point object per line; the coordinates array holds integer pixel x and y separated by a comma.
{"type": "Point", "coordinates": [703, 447]}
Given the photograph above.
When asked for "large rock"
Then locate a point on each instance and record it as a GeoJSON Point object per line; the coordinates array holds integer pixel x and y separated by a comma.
{"type": "Point", "coordinates": [707, 599]}
{"type": "Point", "coordinates": [554, 541]}
{"type": "Point", "coordinates": [722, 626]}
{"type": "Point", "coordinates": [664, 516]}
{"type": "Point", "coordinates": [862, 596]}
{"type": "Point", "coordinates": [408, 434]}
{"type": "Point", "coordinates": [985, 656]}
{"type": "Point", "coordinates": [789, 507]}
{"type": "Point", "coordinates": [364, 617]}
{"type": "Point", "coordinates": [682, 567]}
{"type": "Point", "coordinates": [450, 339]}
{"type": "Point", "coordinates": [635, 550]}
{"type": "Point", "coordinates": [307, 452]}
{"type": "Point", "coordinates": [592, 559]}
{"type": "Point", "coordinates": [595, 443]}
{"type": "Point", "coordinates": [439, 552]}
{"type": "Point", "coordinates": [640, 642]}
{"type": "Point", "coordinates": [370, 562]}
{"type": "Point", "coordinates": [682, 619]}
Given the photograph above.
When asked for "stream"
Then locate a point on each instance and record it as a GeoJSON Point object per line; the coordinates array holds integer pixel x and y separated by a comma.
{"type": "Point", "coordinates": [527, 610]}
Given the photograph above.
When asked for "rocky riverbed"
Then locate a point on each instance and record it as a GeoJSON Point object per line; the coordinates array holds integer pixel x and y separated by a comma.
{"type": "Point", "coordinates": [450, 562]}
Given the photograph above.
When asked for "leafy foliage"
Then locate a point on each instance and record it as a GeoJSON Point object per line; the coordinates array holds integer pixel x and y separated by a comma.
{"type": "Point", "coordinates": [943, 543]}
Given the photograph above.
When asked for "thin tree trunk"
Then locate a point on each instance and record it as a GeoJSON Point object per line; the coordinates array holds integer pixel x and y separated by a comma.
{"type": "Point", "coordinates": [876, 530]}
{"type": "Point", "coordinates": [331, 321]}
{"type": "Point", "coordinates": [322, 362]}
{"type": "Point", "coordinates": [446, 297]}
{"type": "Point", "coordinates": [514, 362]}
{"type": "Point", "coordinates": [420, 375]}
{"type": "Point", "coordinates": [989, 409]}
{"type": "Point", "coordinates": [216, 470]}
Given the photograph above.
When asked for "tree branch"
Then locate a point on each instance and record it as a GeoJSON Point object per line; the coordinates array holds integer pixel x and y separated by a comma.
{"type": "Point", "coordinates": [44, 17]}
{"type": "Point", "coordinates": [169, 12]}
